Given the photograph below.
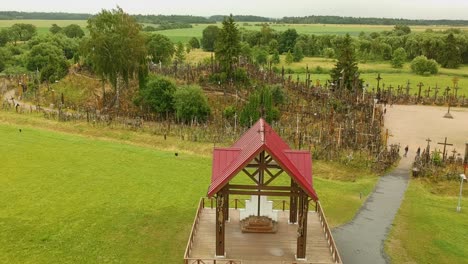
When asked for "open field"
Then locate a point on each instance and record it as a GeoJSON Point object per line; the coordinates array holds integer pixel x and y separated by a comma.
{"type": "Point", "coordinates": [43, 25]}
{"type": "Point", "coordinates": [94, 195]}
{"type": "Point", "coordinates": [427, 228]}
{"type": "Point", "coordinates": [185, 34]}
{"type": "Point", "coordinates": [319, 29]}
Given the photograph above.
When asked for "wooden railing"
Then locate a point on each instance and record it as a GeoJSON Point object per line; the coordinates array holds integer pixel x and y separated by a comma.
{"type": "Point", "coordinates": [212, 261]}
{"type": "Point", "coordinates": [188, 249]}
{"type": "Point", "coordinates": [201, 205]}
{"type": "Point", "coordinates": [328, 235]}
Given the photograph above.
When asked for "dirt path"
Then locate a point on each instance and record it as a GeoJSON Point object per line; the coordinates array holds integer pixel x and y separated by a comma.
{"type": "Point", "coordinates": [362, 240]}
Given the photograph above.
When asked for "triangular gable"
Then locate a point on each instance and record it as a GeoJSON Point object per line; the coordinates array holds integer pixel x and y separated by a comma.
{"type": "Point", "coordinates": [258, 138]}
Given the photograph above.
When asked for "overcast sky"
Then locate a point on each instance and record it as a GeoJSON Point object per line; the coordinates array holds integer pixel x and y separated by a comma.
{"type": "Point", "coordinates": [424, 9]}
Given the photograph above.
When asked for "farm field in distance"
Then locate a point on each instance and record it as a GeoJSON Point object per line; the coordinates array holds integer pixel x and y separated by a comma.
{"type": "Point", "coordinates": [185, 34]}
{"type": "Point", "coordinates": [95, 195]}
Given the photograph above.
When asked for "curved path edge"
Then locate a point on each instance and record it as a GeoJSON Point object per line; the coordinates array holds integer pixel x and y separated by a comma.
{"type": "Point", "coordinates": [361, 241]}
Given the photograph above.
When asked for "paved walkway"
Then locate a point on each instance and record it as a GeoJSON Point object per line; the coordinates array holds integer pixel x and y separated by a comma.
{"type": "Point", "coordinates": [362, 240]}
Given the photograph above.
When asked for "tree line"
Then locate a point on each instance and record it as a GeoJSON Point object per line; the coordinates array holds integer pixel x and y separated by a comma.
{"type": "Point", "coordinates": [448, 48]}
{"type": "Point", "coordinates": [188, 19]}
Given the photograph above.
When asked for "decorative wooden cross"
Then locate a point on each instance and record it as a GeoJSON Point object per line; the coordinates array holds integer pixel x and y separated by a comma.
{"type": "Point", "coordinates": [378, 85]}
{"type": "Point", "coordinates": [262, 131]}
{"type": "Point", "coordinates": [456, 91]}
{"type": "Point", "coordinates": [454, 151]}
{"type": "Point", "coordinates": [436, 91]}
{"type": "Point", "coordinates": [420, 85]}
{"type": "Point", "coordinates": [407, 88]}
{"type": "Point", "coordinates": [399, 90]}
{"type": "Point", "coordinates": [447, 90]}
{"type": "Point", "coordinates": [445, 145]}
{"type": "Point", "coordinates": [428, 149]}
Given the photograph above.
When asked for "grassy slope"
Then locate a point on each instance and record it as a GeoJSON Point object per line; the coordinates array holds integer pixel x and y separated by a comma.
{"type": "Point", "coordinates": [427, 229]}
{"type": "Point", "coordinates": [73, 198]}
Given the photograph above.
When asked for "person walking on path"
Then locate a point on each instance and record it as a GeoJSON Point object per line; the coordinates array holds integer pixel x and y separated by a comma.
{"type": "Point", "coordinates": [406, 151]}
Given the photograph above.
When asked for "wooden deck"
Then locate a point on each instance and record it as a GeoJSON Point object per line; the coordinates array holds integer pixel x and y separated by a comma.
{"type": "Point", "coordinates": [248, 248]}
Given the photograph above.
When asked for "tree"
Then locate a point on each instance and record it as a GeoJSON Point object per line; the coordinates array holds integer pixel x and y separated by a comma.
{"type": "Point", "coordinates": [49, 60]}
{"type": "Point", "coordinates": [398, 58]}
{"type": "Point", "coordinates": [261, 103]}
{"type": "Point", "coordinates": [116, 47]}
{"type": "Point", "coordinates": [180, 53]}
{"type": "Point", "coordinates": [287, 40]}
{"type": "Point", "coordinates": [54, 29]}
{"type": "Point", "coordinates": [191, 103]}
{"type": "Point", "coordinates": [346, 69]}
{"type": "Point", "coordinates": [4, 37]}
{"type": "Point", "coordinates": [194, 43]}
{"type": "Point", "coordinates": [22, 32]}
{"type": "Point", "coordinates": [260, 55]}
{"type": "Point", "coordinates": [275, 58]}
{"type": "Point", "coordinates": [227, 48]}
{"type": "Point", "coordinates": [298, 54]}
{"type": "Point", "coordinates": [289, 58]}
{"type": "Point", "coordinates": [421, 65]}
{"type": "Point", "coordinates": [401, 30]}
{"type": "Point", "coordinates": [329, 53]}
{"type": "Point", "coordinates": [5, 56]}
{"type": "Point", "coordinates": [73, 31]}
{"type": "Point", "coordinates": [273, 46]}
{"type": "Point", "coordinates": [160, 48]}
{"type": "Point", "coordinates": [209, 37]}
{"type": "Point", "coordinates": [451, 54]}
{"type": "Point", "coordinates": [157, 95]}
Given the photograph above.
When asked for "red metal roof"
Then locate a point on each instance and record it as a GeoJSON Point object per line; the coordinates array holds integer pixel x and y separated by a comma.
{"type": "Point", "coordinates": [227, 162]}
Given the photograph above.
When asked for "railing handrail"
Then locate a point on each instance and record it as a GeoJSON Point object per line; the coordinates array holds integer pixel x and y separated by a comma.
{"type": "Point", "coordinates": [213, 260]}
{"type": "Point", "coordinates": [331, 242]}
{"type": "Point", "coordinates": [201, 205]}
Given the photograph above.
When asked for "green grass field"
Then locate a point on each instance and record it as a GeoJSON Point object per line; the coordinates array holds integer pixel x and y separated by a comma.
{"type": "Point", "coordinates": [186, 34]}
{"type": "Point", "coordinates": [427, 228]}
{"type": "Point", "coordinates": [91, 196]}
{"type": "Point", "coordinates": [43, 25]}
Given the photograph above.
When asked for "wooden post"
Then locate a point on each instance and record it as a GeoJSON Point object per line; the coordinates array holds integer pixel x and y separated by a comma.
{"type": "Point", "coordinates": [220, 224]}
{"type": "Point", "coordinates": [226, 202]}
{"type": "Point", "coordinates": [420, 85]}
{"type": "Point", "coordinates": [302, 228]}
{"type": "Point", "coordinates": [293, 203]}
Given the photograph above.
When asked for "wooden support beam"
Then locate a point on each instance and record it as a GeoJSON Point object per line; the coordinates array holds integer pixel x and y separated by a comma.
{"type": "Point", "coordinates": [302, 226]}
{"type": "Point", "coordinates": [264, 187]}
{"type": "Point", "coordinates": [293, 203]}
{"type": "Point", "coordinates": [263, 193]}
{"type": "Point", "coordinates": [220, 224]}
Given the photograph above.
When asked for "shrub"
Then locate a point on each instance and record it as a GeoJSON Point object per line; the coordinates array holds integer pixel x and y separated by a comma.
{"type": "Point", "coordinates": [191, 103]}
{"type": "Point", "coordinates": [421, 65]}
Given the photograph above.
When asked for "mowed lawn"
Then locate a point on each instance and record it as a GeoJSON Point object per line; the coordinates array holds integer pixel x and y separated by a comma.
{"type": "Point", "coordinates": [68, 198]}
{"type": "Point", "coordinates": [427, 229]}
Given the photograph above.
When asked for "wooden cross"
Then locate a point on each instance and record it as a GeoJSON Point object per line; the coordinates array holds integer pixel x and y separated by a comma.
{"type": "Point", "coordinates": [445, 145]}
{"type": "Point", "coordinates": [427, 91]}
{"type": "Point", "coordinates": [454, 152]}
{"type": "Point", "coordinates": [420, 85]}
{"type": "Point", "coordinates": [447, 90]}
{"type": "Point", "coordinates": [407, 87]}
{"type": "Point", "coordinates": [378, 85]}
{"type": "Point", "coordinates": [399, 90]}
{"type": "Point", "coordinates": [436, 92]}
{"type": "Point", "coordinates": [456, 91]}
{"type": "Point", "coordinates": [262, 131]}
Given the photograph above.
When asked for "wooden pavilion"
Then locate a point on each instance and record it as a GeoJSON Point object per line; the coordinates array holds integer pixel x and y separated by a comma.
{"type": "Point", "coordinates": [259, 230]}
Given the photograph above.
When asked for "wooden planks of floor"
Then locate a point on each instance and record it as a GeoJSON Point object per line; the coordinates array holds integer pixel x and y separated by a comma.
{"type": "Point", "coordinates": [278, 248]}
